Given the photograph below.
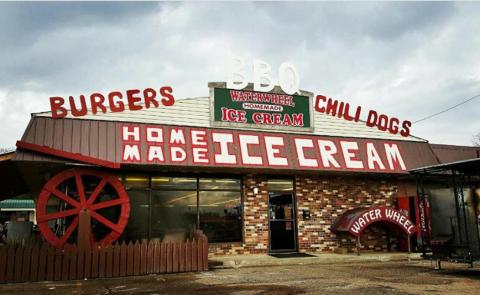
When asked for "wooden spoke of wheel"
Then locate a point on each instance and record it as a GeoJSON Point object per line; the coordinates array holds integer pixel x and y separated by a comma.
{"type": "Point", "coordinates": [73, 225]}
{"type": "Point", "coordinates": [107, 204]}
{"type": "Point", "coordinates": [97, 191]}
{"type": "Point", "coordinates": [62, 196]}
{"type": "Point", "coordinates": [60, 214]}
{"type": "Point", "coordinates": [105, 221]}
{"type": "Point", "coordinates": [85, 203]}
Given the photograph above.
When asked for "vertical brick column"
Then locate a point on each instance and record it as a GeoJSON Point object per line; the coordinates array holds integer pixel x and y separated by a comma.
{"type": "Point", "coordinates": [255, 214]}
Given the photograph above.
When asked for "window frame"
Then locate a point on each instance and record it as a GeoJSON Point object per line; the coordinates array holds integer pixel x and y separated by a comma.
{"type": "Point", "coordinates": [149, 190]}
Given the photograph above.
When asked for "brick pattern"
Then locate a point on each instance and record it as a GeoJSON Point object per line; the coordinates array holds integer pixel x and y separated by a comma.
{"type": "Point", "coordinates": [327, 197]}
{"type": "Point", "coordinates": [255, 220]}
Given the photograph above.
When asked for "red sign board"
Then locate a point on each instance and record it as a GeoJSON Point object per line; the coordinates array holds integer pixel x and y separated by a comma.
{"type": "Point", "coordinates": [170, 145]}
{"type": "Point", "coordinates": [356, 221]}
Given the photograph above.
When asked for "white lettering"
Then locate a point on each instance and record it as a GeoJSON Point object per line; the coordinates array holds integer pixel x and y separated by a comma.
{"type": "Point", "coordinates": [300, 145]}
{"type": "Point", "coordinates": [155, 153]}
{"type": "Point", "coordinates": [127, 133]}
{"type": "Point", "coordinates": [154, 134]}
{"type": "Point", "coordinates": [131, 152]}
{"type": "Point", "coordinates": [261, 76]}
{"type": "Point", "coordinates": [199, 137]}
{"type": "Point", "coordinates": [177, 136]}
{"type": "Point", "coordinates": [236, 77]}
{"type": "Point", "coordinates": [327, 150]}
{"type": "Point", "coordinates": [394, 156]}
{"type": "Point", "coordinates": [373, 157]}
{"type": "Point", "coordinates": [245, 141]}
{"type": "Point", "coordinates": [200, 155]}
{"type": "Point", "coordinates": [349, 156]}
{"type": "Point", "coordinates": [177, 154]}
{"type": "Point", "coordinates": [224, 157]}
{"type": "Point", "coordinates": [272, 152]}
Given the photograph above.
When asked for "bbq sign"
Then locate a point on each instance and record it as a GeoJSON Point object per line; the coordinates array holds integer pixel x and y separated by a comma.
{"type": "Point", "coordinates": [237, 108]}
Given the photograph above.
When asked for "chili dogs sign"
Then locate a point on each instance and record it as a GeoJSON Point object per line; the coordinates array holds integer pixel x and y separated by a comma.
{"type": "Point", "coordinates": [169, 145]}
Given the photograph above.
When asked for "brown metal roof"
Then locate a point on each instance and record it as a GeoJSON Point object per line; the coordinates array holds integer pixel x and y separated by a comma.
{"type": "Point", "coordinates": [454, 153]}
{"type": "Point", "coordinates": [99, 143]}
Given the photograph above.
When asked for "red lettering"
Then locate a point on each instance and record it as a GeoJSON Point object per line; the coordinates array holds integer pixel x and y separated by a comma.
{"type": "Point", "coordinates": [132, 100]}
{"type": "Point", "coordinates": [97, 104]}
{"type": "Point", "coordinates": [393, 125]}
{"type": "Point", "coordinates": [257, 118]}
{"type": "Point", "coordinates": [168, 99]}
{"type": "Point", "coordinates": [406, 128]}
{"type": "Point", "coordinates": [332, 106]}
{"type": "Point", "coordinates": [83, 106]}
{"type": "Point", "coordinates": [56, 105]}
{"type": "Point", "coordinates": [276, 119]}
{"type": "Point", "coordinates": [372, 118]}
{"type": "Point", "coordinates": [118, 106]}
{"type": "Point", "coordinates": [382, 123]}
{"type": "Point", "coordinates": [149, 94]}
{"type": "Point", "coordinates": [297, 119]}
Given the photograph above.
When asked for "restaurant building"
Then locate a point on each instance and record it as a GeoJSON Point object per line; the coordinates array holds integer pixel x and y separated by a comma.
{"type": "Point", "coordinates": [256, 172]}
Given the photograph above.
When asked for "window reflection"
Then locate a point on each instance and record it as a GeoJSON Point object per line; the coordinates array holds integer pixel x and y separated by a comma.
{"type": "Point", "coordinates": [166, 207]}
{"type": "Point", "coordinates": [280, 185]}
{"type": "Point", "coordinates": [219, 184]}
{"type": "Point", "coordinates": [174, 214]}
{"type": "Point", "coordinates": [221, 216]}
{"type": "Point", "coordinates": [137, 226]}
{"type": "Point", "coordinates": [166, 183]}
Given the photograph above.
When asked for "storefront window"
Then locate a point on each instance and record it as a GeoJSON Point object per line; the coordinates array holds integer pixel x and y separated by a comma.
{"type": "Point", "coordinates": [136, 182]}
{"type": "Point", "coordinates": [168, 183]}
{"type": "Point", "coordinates": [219, 184]}
{"type": "Point", "coordinates": [174, 214]}
{"type": "Point", "coordinates": [169, 208]}
{"type": "Point", "coordinates": [137, 226]}
{"type": "Point", "coordinates": [221, 215]}
{"type": "Point", "coordinates": [280, 185]}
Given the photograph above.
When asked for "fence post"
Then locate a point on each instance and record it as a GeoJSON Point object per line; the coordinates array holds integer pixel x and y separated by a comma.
{"type": "Point", "coordinates": [132, 258]}
{"type": "Point", "coordinates": [34, 263]}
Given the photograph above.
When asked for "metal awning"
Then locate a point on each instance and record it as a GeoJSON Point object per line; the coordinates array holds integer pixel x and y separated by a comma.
{"type": "Point", "coordinates": [467, 167]}
{"type": "Point", "coordinates": [17, 204]}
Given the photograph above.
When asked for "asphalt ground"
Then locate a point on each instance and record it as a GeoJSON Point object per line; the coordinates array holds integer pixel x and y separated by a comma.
{"type": "Point", "coordinates": [398, 277]}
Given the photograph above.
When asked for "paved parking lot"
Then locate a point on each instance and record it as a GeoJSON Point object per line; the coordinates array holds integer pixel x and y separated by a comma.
{"type": "Point", "coordinates": [417, 277]}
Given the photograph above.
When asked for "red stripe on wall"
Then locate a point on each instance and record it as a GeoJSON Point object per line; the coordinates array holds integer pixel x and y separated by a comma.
{"type": "Point", "coordinates": [66, 155]}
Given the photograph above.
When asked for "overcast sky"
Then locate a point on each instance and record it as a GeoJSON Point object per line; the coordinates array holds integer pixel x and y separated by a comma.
{"type": "Point", "coordinates": [404, 59]}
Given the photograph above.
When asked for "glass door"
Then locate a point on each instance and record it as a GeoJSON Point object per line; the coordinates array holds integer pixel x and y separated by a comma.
{"type": "Point", "coordinates": [282, 216]}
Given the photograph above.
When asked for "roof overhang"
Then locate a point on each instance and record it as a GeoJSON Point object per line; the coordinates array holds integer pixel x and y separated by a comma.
{"type": "Point", "coordinates": [468, 167]}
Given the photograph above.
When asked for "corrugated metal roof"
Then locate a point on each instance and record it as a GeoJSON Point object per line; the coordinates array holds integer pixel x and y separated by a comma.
{"type": "Point", "coordinates": [101, 141]}
{"type": "Point", "coordinates": [196, 112]}
{"type": "Point", "coordinates": [17, 204]}
{"type": "Point", "coordinates": [453, 153]}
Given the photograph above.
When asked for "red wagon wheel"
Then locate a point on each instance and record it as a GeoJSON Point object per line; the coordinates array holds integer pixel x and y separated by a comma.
{"type": "Point", "coordinates": [67, 194]}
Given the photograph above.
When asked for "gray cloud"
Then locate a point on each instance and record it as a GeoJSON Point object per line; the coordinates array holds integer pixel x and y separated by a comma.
{"type": "Point", "coordinates": [405, 59]}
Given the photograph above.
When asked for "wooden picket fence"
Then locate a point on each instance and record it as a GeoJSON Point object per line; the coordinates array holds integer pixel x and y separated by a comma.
{"type": "Point", "coordinates": [35, 262]}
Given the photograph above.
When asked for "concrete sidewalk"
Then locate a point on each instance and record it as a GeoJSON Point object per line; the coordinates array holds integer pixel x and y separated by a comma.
{"type": "Point", "coordinates": [252, 260]}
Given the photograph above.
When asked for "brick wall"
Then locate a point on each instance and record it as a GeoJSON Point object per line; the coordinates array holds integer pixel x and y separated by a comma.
{"type": "Point", "coordinates": [327, 197]}
{"type": "Point", "coordinates": [255, 220]}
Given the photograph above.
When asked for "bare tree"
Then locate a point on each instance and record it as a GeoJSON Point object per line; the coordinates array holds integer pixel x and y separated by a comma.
{"type": "Point", "coordinates": [476, 139]}
{"type": "Point", "coordinates": [4, 150]}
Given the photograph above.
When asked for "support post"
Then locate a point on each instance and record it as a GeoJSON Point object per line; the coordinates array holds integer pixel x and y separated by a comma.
{"type": "Point", "coordinates": [409, 247]}
{"type": "Point", "coordinates": [358, 245]}
{"type": "Point", "coordinates": [84, 231]}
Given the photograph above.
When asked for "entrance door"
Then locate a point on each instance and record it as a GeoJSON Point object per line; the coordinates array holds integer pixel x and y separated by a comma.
{"type": "Point", "coordinates": [282, 222]}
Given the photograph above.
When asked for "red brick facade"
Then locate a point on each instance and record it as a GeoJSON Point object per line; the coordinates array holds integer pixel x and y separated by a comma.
{"type": "Point", "coordinates": [326, 197]}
